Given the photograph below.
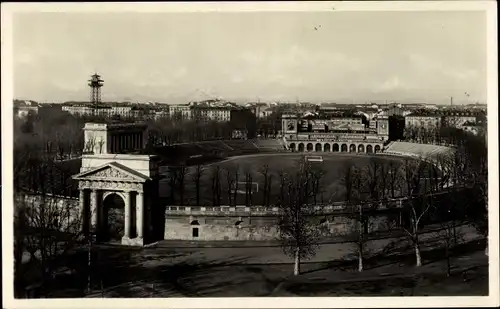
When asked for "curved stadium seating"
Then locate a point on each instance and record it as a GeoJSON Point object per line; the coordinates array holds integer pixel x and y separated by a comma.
{"type": "Point", "coordinates": [270, 144]}
{"type": "Point", "coordinates": [425, 151]}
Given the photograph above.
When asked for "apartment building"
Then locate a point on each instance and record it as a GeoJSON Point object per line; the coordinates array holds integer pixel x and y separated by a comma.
{"type": "Point", "coordinates": [426, 121]}
{"type": "Point", "coordinates": [181, 110]}
{"type": "Point", "coordinates": [212, 113]}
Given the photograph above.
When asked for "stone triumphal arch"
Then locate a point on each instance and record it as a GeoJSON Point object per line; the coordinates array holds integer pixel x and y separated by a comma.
{"type": "Point", "coordinates": [116, 177]}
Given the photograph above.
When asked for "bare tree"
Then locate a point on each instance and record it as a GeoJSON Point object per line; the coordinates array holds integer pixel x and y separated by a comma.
{"type": "Point", "coordinates": [414, 210]}
{"type": "Point", "coordinates": [360, 215]}
{"type": "Point", "coordinates": [447, 231]}
{"type": "Point", "coordinates": [196, 177]}
{"type": "Point", "coordinates": [416, 207]}
{"type": "Point", "coordinates": [269, 189]}
{"type": "Point", "coordinates": [230, 183]}
{"type": "Point", "coordinates": [181, 181]}
{"type": "Point", "coordinates": [352, 178]}
{"type": "Point", "coordinates": [248, 187]}
{"type": "Point", "coordinates": [384, 176]}
{"type": "Point", "coordinates": [372, 173]}
{"type": "Point", "coordinates": [298, 234]}
{"type": "Point", "coordinates": [20, 226]}
{"type": "Point", "coordinates": [216, 186]}
{"type": "Point", "coordinates": [348, 179]}
{"type": "Point", "coordinates": [48, 228]}
{"type": "Point", "coordinates": [283, 181]}
{"type": "Point", "coordinates": [172, 182]}
{"type": "Point", "coordinates": [61, 145]}
{"type": "Point", "coordinates": [236, 181]}
{"type": "Point", "coordinates": [264, 171]}
{"type": "Point", "coordinates": [394, 177]}
{"type": "Point", "coordinates": [316, 174]}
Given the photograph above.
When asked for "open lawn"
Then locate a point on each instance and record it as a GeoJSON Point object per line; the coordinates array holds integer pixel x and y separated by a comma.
{"type": "Point", "coordinates": [331, 190]}
{"type": "Point", "coordinates": [241, 272]}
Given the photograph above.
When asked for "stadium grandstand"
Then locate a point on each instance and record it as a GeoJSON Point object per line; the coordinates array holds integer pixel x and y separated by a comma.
{"type": "Point", "coordinates": [327, 133]}
{"type": "Point", "coordinates": [270, 144]}
{"type": "Point", "coordinates": [416, 150]}
{"type": "Point", "coordinates": [198, 152]}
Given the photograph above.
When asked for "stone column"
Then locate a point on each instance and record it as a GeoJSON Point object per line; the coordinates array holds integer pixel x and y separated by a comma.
{"type": "Point", "coordinates": [140, 214]}
{"type": "Point", "coordinates": [93, 209]}
{"type": "Point", "coordinates": [83, 211]}
{"type": "Point", "coordinates": [128, 200]}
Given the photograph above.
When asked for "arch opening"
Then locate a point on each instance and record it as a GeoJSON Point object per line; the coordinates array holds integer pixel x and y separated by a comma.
{"type": "Point", "coordinates": [309, 147]}
{"type": "Point", "coordinates": [113, 218]}
{"type": "Point", "coordinates": [335, 148]}
{"type": "Point", "coordinates": [195, 230]}
{"type": "Point", "coordinates": [361, 148]}
{"type": "Point", "coordinates": [344, 148]}
{"type": "Point", "coordinates": [326, 148]}
{"type": "Point", "coordinates": [369, 149]}
{"type": "Point", "coordinates": [352, 148]}
{"type": "Point", "coordinates": [301, 147]}
{"type": "Point", "coordinates": [317, 147]}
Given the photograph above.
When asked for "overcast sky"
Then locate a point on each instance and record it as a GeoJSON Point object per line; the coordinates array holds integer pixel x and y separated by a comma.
{"type": "Point", "coordinates": [175, 57]}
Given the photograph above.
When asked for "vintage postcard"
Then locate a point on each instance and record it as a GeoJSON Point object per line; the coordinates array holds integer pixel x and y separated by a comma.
{"type": "Point", "coordinates": [250, 155]}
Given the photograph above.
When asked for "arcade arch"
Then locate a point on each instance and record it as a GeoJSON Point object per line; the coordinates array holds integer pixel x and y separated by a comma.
{"type": "Point", "coordinates": [318, 147]}
{"type": "Point", "coordinates": [354, 147]}
{"type": "Point", "coordinates": [113, 217]}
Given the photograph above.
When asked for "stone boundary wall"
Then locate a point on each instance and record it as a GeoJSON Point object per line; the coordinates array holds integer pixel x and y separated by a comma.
{"type": "Point", "coordinates": [262, 227]}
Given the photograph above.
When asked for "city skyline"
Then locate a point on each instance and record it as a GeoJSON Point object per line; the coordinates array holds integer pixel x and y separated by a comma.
{"type": "Point", "coordinates": [286, 56]}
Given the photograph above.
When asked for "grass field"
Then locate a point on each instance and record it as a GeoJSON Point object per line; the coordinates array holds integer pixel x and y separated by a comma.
{"type": "Point", "coordinates": [332, 188]}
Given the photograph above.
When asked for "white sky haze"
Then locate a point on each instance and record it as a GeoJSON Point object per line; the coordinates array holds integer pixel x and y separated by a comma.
{"type": "Point", "coordinates": [166, 57]}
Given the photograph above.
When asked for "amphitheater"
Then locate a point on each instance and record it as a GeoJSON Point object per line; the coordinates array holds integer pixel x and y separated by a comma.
{"type": "Point", "coordinates": [123, 193]}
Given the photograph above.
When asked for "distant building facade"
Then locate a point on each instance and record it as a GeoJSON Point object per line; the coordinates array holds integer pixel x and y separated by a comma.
{"type": "Point", "coordinates": [436, 119]}
{"type": "Point", "coordinates": [24, 108]}
{"type": "Point", "coordinates": [222, 114]}
{"type": "Point", "coordinates": [425, 121]}
{"type": "Point", "coordinates": [334, 134]}
{"type": "Point", "coordinates": [181, 110]}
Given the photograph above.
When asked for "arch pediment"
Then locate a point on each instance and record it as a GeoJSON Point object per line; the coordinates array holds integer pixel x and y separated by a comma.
{"type": "Point", "coordinates": [112, 172]}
